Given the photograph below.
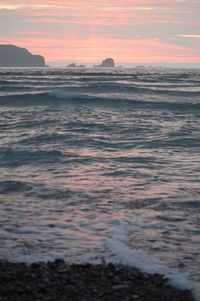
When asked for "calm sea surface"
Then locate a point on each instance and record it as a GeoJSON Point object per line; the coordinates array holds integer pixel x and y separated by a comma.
{"type": "Point", "coordinates": [101, 163]}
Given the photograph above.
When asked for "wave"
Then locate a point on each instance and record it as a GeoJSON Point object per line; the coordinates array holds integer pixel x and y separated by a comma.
{"type": "Point", "coordinates": [108, 86]}
{"type": "Point", "coordinates": [142, 88]}
{"type": "Point", "coordinates": [63, 97]}
{"type": "Point", "coordinates": [14, 186]}
{"type": "Point", "coordinates": [34, 189]}
{"type": "Point", "coordinates": [14, 158]}
{"type": "Point", "coordinates": [118, 245]}
{"type": "Point", "coordinates": [68, 94]}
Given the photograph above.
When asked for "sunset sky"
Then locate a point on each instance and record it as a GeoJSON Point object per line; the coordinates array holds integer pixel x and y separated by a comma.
{"type": "Point", "coordinates": [83, 31]}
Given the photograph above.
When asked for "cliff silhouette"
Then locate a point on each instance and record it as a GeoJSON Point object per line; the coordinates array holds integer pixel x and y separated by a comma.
{"type": "Point", "coordinates": [13, 56]}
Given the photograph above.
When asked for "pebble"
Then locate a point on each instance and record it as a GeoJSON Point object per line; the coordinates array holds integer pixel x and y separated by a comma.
{"type": "Point", "coordinates": [57, 280]}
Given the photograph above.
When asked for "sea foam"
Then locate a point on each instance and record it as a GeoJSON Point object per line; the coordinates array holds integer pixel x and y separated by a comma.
{"type": "Point", "coordinates": [118, 245]}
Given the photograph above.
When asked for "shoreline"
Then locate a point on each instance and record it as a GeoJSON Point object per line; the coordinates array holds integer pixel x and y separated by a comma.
{"type": "Point", "coordinates": [52, 281]}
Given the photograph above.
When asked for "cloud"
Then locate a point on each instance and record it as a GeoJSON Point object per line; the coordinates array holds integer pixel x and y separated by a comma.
{"type": "Point", "coordinates": [90, 50]}
{"type": "Point", "coordinates": [9, 6]}
{"type": "Point", "coordinates": [139, 30]}
{"type": "Point", "coordinates": [190, 36]}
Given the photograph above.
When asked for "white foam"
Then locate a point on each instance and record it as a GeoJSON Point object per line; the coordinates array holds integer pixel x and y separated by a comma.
{"type": "Point", "coordinates": [66, 94]}
{"type": "Point", "coordinates": [118, 245]}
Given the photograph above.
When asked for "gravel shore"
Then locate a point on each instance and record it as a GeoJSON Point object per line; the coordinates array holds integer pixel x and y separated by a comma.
{"type": "Point", "coordinates": [58, 281]}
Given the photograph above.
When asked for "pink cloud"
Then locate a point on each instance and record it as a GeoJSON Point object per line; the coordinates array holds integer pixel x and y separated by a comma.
{"type": "Point", "coordinates": [87, 31]}
{"type": "Point", "coordinates": [91, 50]}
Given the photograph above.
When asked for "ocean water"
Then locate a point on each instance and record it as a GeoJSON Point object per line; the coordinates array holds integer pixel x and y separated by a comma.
{"type": "Point", "coordinates": [102, 164]}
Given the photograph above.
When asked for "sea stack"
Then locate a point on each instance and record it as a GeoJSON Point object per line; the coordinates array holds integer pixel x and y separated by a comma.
{"type": "Point", "coordinates": [13, 56]}
{"type": "Point", "coordinates": [73, 65]}
{"type": "Point", "coordinates": [108, 62]}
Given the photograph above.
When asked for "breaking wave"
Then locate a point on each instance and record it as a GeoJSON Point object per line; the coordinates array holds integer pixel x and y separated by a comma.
{"type": "Point", "coordinates": [63, 97]}
{"type": "Point", "coordinates": [118, 245]}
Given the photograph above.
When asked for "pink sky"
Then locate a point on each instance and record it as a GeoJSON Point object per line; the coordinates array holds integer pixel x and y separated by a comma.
{"type": "Point", "coordinates": [136, 31]}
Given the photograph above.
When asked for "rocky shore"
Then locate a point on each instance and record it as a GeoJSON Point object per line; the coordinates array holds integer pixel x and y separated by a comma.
{"type": "Point", "coordinates": [58, 281]}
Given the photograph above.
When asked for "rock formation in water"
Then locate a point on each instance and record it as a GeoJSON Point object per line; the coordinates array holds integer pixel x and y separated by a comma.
{"type": "Point", "coordinates": [13, 56]}
{"type": "Point", "coordinates": [73, 65]}
{"type": "Point", "coordinates": [108, 62]}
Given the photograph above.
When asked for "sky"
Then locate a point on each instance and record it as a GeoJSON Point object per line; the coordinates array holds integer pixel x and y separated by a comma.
{"type": "Point", "coordinates": [86, 32]}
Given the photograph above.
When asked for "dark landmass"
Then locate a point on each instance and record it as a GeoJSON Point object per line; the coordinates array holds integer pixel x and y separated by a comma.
{"type": "Point", "coordinates": [57, 280]}
{"type": "Point", "coordinates": [108, 62]}
{"type": "Point", "coordinates": [13, 56]}
{"type": "Point", "coordinates": [73, 65]}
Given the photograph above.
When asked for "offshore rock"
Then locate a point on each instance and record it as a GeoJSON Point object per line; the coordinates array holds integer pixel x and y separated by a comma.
{"type": "Point", "coordinates": [73, 65]}
{"type": "Point", "coordinates": [13, 56]}
{"type": "Point", "coordinates": [108, 62]}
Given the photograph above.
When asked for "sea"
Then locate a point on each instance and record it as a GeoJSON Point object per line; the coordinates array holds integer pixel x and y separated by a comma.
{"type": "Point", "coordinates": [102, 165]}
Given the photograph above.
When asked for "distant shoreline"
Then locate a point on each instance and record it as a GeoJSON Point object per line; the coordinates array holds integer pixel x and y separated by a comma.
{"type": "Point", "coordinates": [104, 68]}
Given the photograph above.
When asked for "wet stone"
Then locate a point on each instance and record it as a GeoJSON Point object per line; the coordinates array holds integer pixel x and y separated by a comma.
{"type": "Point", "coordinates": [104, 282]}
